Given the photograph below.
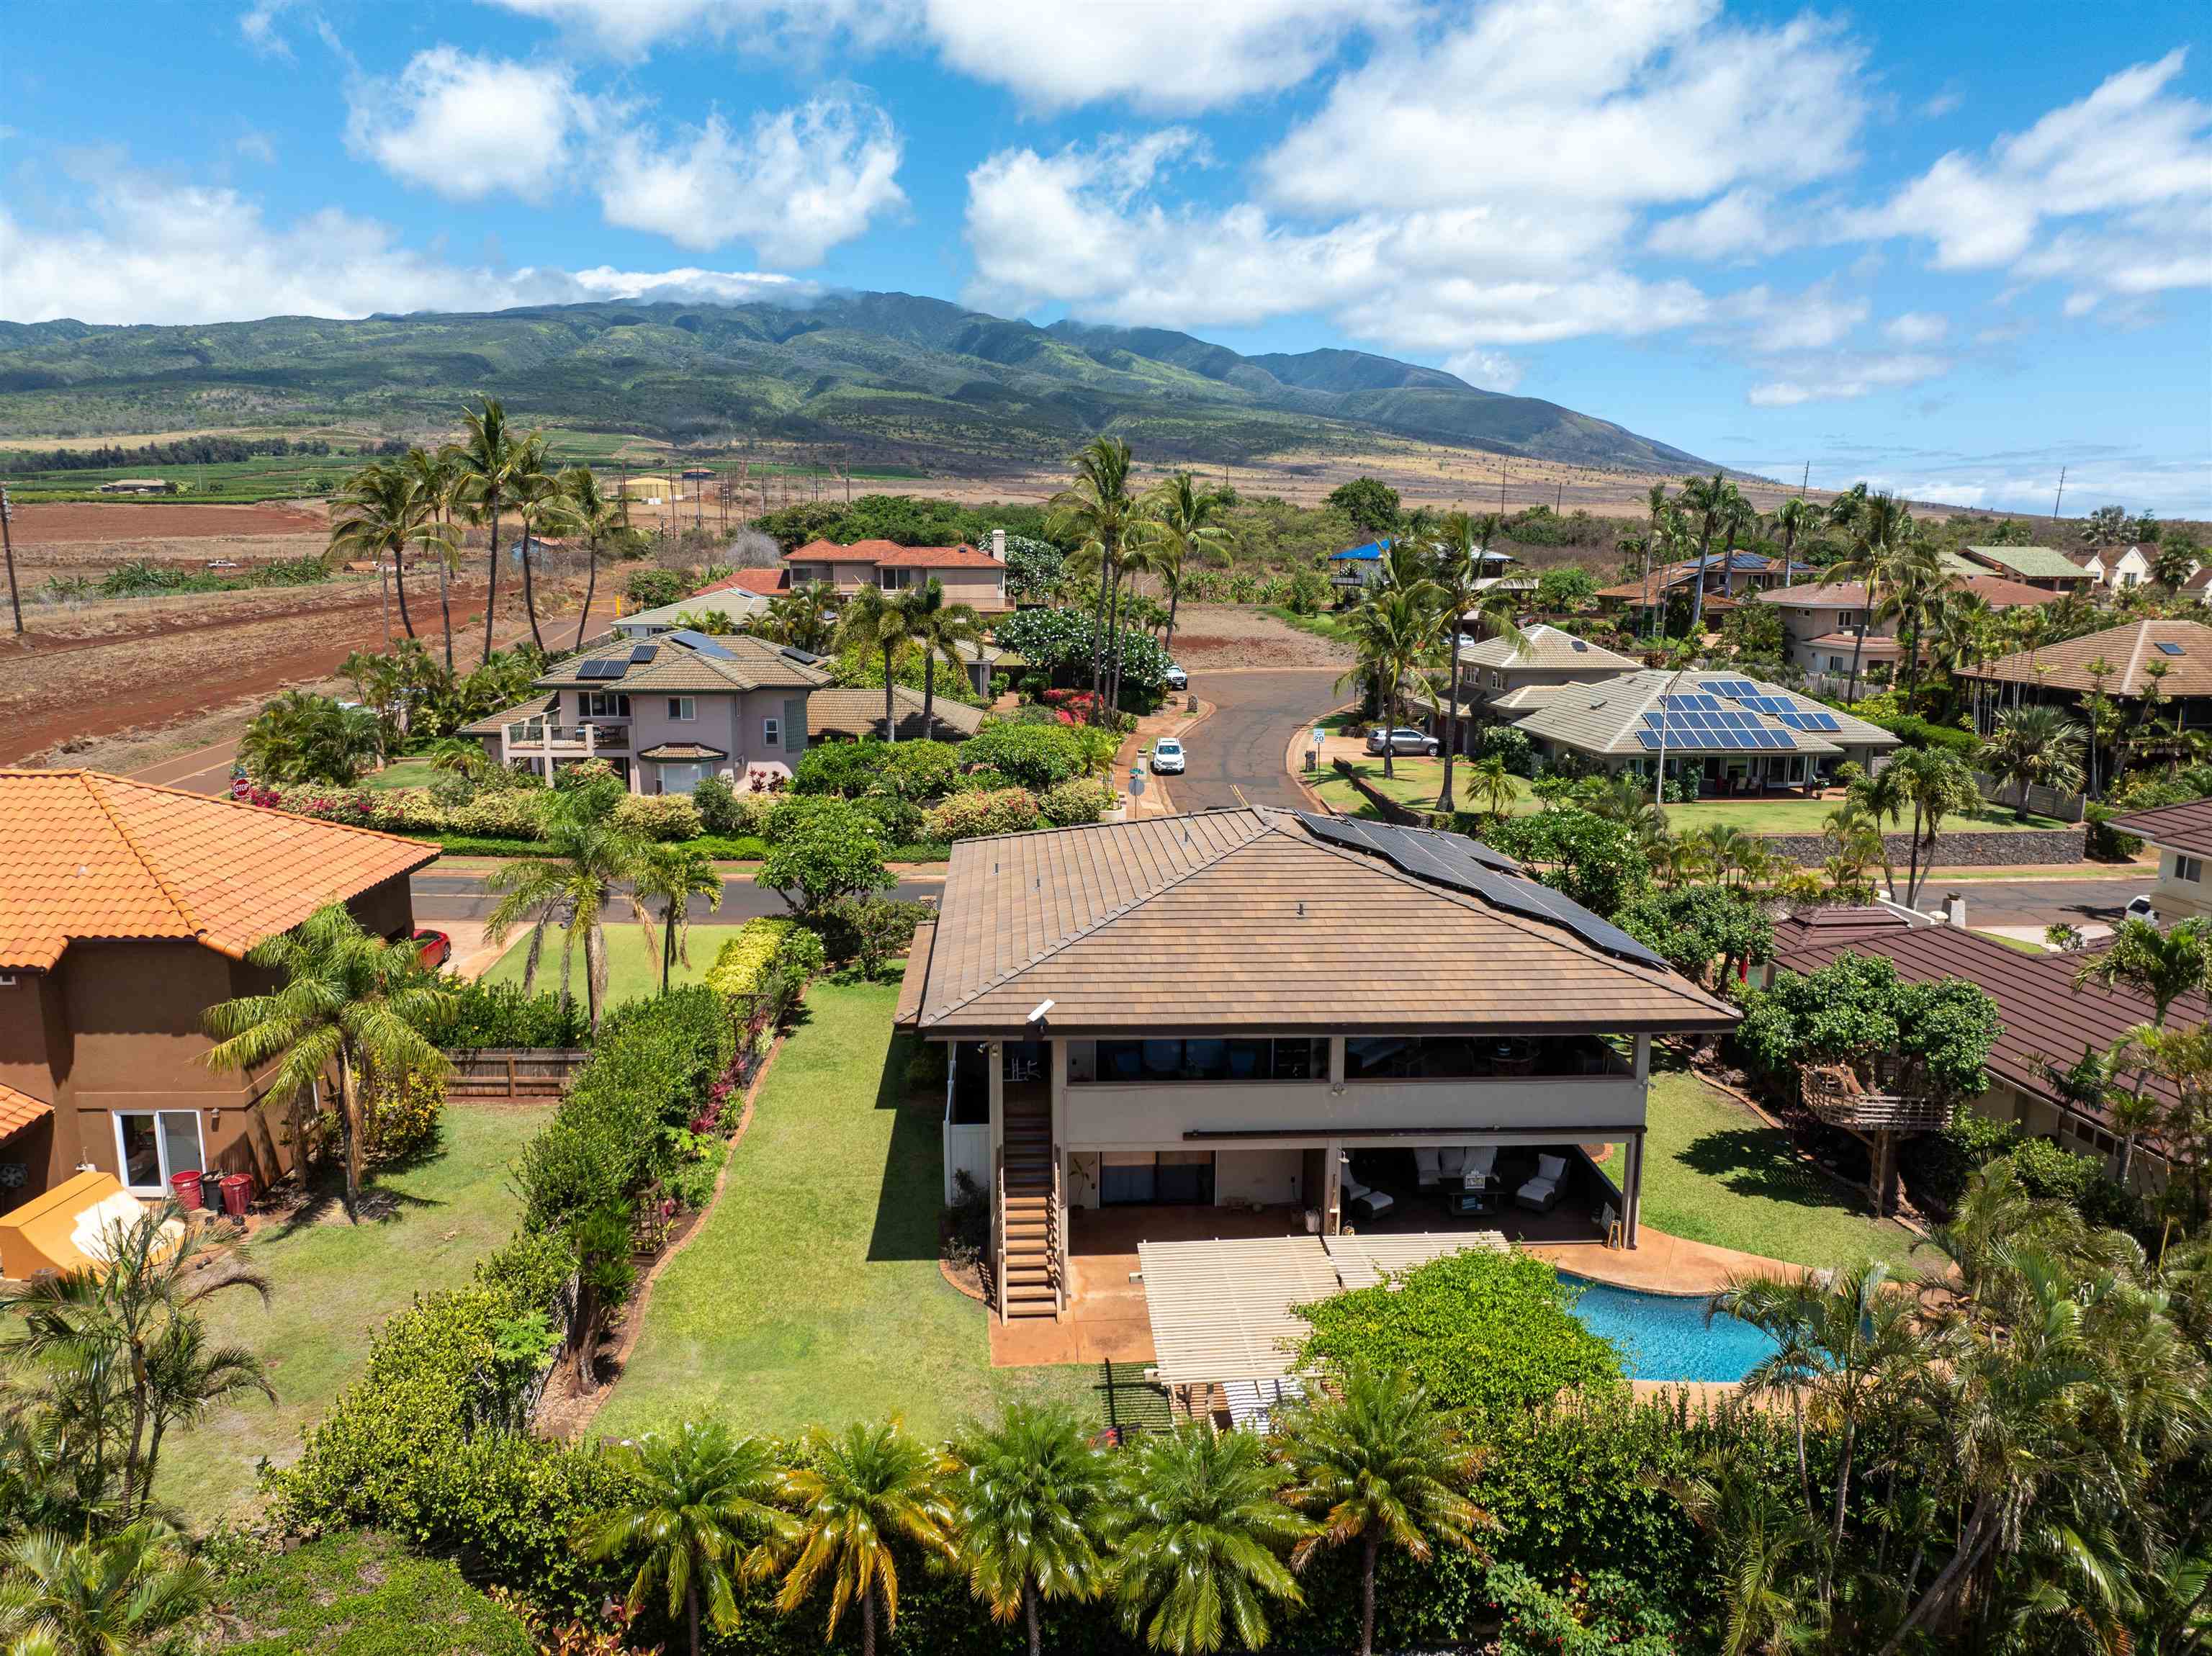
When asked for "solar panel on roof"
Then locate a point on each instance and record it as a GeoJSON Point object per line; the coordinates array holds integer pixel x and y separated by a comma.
{"type": "Point", "coordinates": [644, 652]}
{"type": "Point", "coordinates": [701, 643]}
{"type": "Point", "coordinates": [603, 670]}
{"type": "Point", "coordinates": [1648, 738]}
{"type": "Point", "coordinates": [804, 658]}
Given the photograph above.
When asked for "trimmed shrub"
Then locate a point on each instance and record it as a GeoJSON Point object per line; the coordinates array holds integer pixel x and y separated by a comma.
{"type": "Point", "coordinates": [500, 1014]}
{"type": "Point", "coordinates": [761, 948]}
{"type": "Point", "coordinates": [896, 821]}
{"type": "Point", "coordinates": [716, 802]}
{"type": "Point", "coordinates": [658, 816]}
{"type": "Point", "coordinates": [1039, 756]}
{"type": "Point", "coordinates": [969, 816]}
{"type": "Point", "coordinates": [870, 930]}
{"type": "Point", "coordinates": [400, 1115]}
{"type": "Point", "coordinates": [1072, 804]}
{"type": "Point", "coordinates": [1510, 742]}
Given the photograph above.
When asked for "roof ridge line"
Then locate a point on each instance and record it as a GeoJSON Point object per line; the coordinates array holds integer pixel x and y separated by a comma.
{"type": "Point", "coordinates": [130, 841]}
{"type": "Point", "coordinates": [1081, 932]}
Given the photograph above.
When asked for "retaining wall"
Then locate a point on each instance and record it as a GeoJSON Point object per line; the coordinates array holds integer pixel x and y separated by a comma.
{"type": "Point", "coordinates": [1998, 850]}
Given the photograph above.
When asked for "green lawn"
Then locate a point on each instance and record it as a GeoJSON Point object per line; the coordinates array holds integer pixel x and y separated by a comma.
{"type": "Point", "coordinates": [1715, 1173]}
{"type": "Point", "coordinates": [632, 961]}
{"type": "Point", "coordinates": [362, 1594]}
{"type": "Point", "coordinates": [812, 1295]}
{"type": "Point", "coordinates": [400, 774]}
{"type": "Point", "coordinates": [333, 1284]}
{"type": "Point", "coordinates": [1416, 783]}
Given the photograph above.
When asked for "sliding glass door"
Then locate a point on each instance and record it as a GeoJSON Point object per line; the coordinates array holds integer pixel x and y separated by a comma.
{"type": "Point", "coordinates": [151, 1146]}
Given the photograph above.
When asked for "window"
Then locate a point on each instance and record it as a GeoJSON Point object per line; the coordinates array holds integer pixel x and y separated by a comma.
{"type": "Point", "coordinates": [1460, 1057]}
{"type": "Point", "coordinates": [152, 1147]}
{"type": "Point", "coordinates": [772, 733]}
{"type": "Point", "coordinates": [2191, 868]}
{"type": "Point", "coordinates": [1299, 1058]}
{"type": "Point", "coordinates": [898, 579]}
{"type": "Point", "coordinates": [602, 704]}
{"type": "Point", "coordinates": [683, 708]}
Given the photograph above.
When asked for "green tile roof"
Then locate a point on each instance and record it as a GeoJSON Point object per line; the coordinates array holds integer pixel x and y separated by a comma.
{"type": "Point", "coordinates": [2033, 563]}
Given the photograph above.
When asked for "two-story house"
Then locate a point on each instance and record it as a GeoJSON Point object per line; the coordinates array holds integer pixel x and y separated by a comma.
{"type": "Point", "coordinates": [1822, 620]}
{"type": "Point", "coordinates": [1306, 1017]}
{"type": "Point", "coordinates": [968, 574]}
{"type": "Point", "coordinates": [126, 910]}
{"type": "Point", "coordinates": [665, 713]}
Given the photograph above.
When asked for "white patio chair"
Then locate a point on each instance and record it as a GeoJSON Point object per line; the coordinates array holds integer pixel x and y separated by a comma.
{"type": "Point", "coordinates": [1480, 1171]}
{"type": "Point", "coordinates": [1542, 1194]}
{"type": "Point", "coordinates": [1428, 1166]}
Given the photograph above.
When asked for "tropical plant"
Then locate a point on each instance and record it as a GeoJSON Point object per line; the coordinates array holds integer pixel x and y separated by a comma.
{"type": "Point", "coordinates": [1379, 1464]}
{"type": "Point", "coordinates": [883, 623]}
{"type": "Point", "coordinates": [1185, 522]}
{"type": "Point", "coordinates": [186, 1377]}
{"type": "Point", "coordinates": [385, 512]}
{"type": "Point", "coordinates": [1937, 784]}
{"type": "Point", "coordinates": [603, 521]}
{"type": "Point", "coordinates": [301, 737]}
{"type": "Point", "coordinates": [671, 875]}
{"type": "Point", "coordinates": [1715, 503]}
{"type": "Point", "coordinates": [939, 630]}
{"type": "Point", "coordinates": [1880, 526]}
{"type": "Point", "coordinates": [1389, 631]}
{"type": "Point", "coordinates": [857, 1492]}
{"type": "Point", "coordinates": [1097, 513]}
{"type": "Point", "coordinates": [1027, 1496]}
{"type": "Point", "coordinates": [2036, 745]}
{"type": "Point", "coordinates": [494, 464]}
{"type": "Point", "coordinates": [587, 853]}
{"type": "Point", "coordinates": [346, 999]}
{"type": "Point", "coordinates": [1492, 785]}
{"type": "Point", "coordinates": [540, 504]}
{"type": "Point", "coordinates": [1455, 569]}
{"type": "Point", "coordinates": [440, 482]}
{"type": "Point", "coordinates": [701, 1517]}
{"type": "Point", "coordinates": [129, 1593]}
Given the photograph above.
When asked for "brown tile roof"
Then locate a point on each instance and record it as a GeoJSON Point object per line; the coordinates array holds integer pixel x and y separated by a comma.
{"type": "Point", "coordinates": [2001, 594]}
{"type": "Point", "coordinates": [1840, 922]}
{"type": "Point", "coordinates": [745, 662]}
{"type": "Point", "coordinates": [19, 1110]}
{"type": "Point", "coordinates": [1876, 646]}
{"type": "Point", "coordinates": [766, 582]}
{"type": "Point", "coordinates": [820, 551]}
{"type": "Point", "coordinates": [84, 855]}
{"type": "Point", "coordinates": [1243, 920]}
{"type": "Point", "coordinates": [858, 712]}
{"type": "Point", "coordinates": [1820, 595]}
{"type": "Point", "coordinates": [2186, 827]}
{"type": "Point", "coordinates": [937, 557]}
{"type": "Point", "coordinates": [2042, 1017]}
{"type": "Point", "coordinates": [2129, 649]}
{"type": "Point", "coordinates": [683, 750]}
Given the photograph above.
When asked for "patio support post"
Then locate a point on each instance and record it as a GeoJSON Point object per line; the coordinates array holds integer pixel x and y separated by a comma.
{"type": "Point", "coordinates": [1644, 1059]}
{"type": "Point", "coordinates": [995, 1065]}
{"type": "Point", "coordinates": [1635, 1191]}
{"type": "Point", "coordinates": [1332, 1179]}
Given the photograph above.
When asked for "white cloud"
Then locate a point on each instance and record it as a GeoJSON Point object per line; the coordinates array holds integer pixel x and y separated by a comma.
{"type": "Point", "coordinates": [1768, 322]}
{"type": "Point", "coordinates": [800, 182]}
{"type": "Point", "coordinates": [1488, 370]}
{"type": "Point", "coordinates": [1738, 225]}
{"type": "Point", "coordinates": [469, 127]}
{"type": "Point", "coordinates": [257, 147]}
{"type": "Point", "coordinates": [1915, 328]}
{"type": "Point", "coordinates": [1942, 104]}
{"type": "Point", "coordinates": [1846, 377]}
{"type": "Point", "coordinates": [257, 23]}
{"type": "Point", "coordinates": [156, 253]}
{"type": "Point", "coordinates": [626, 27]}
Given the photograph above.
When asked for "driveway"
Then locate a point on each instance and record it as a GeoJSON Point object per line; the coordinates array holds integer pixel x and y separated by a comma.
{"type": "Point", "coordinates": [2024, 907]}
{"type": "Point", "coordinates": [1236, 755]}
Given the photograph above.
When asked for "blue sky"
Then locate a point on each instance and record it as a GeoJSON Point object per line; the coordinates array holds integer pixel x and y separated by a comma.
{"type": "Point", "coordinates": [1949, 248]}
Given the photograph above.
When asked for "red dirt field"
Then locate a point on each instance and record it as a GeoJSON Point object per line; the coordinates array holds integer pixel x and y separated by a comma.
{"type": "Point", "coordinates": [46, 524]}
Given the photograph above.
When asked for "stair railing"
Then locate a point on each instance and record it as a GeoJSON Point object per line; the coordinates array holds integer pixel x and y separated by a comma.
{"type": "Point", "coordinates": [999, 1231]}
{"type": "Point", "coordinates": [1053, 1241]}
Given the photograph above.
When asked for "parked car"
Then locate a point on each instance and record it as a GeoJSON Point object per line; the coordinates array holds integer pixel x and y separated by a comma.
{"type": "Point", "coordinates": [1167, 757]}
{"type": "Point", "coordinates": [1177, 679]}
{"type": "Point", "coordinates": [1404, 739]}
{"type": "Point", "coordinates": [2139, 909]}
{"type": "Point", "coordinates": [434, 948]}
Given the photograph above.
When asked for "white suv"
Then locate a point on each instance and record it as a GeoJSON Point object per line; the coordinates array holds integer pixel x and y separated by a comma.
{"type": "Point", "coordinates": [1167, 757]}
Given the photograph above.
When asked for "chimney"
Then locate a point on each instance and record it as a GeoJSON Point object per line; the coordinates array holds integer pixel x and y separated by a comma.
{"type": "Point", "coordinates": [1954, 909]}
{"type": "Point", "coordinates": [999, 544]}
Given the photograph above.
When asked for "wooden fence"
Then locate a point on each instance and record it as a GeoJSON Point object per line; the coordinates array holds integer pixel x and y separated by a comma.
{"type": "Point", "coordinates": [513, 1074]}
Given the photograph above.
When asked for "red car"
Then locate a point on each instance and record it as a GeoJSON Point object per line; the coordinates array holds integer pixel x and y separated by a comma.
{"type": "Point", "coordinates": [435, 948]}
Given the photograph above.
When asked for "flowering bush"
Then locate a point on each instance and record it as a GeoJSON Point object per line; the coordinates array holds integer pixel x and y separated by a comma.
{"type": "Point", "coordinates": [966, 815]}
{"type": "Point", "coordinates": [1074, 706]}
{"type": "Point", "coordinates": [502, 814]}
{"type": "Point", "coordinates": [1084, 800]}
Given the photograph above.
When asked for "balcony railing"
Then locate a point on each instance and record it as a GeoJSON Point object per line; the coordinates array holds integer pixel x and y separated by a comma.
{"type": "Point", "coordinates": [537, 736]}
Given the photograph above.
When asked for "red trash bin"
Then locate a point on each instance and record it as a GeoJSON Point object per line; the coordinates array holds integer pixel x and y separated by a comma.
{"type": "Point", "coordinates": [186, 1186]}
{"type": "Point", "coordinates": [237, 1193]}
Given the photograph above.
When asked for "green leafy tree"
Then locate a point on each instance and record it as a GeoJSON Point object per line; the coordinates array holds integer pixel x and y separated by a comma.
{"type": "Point", "coordinates": [857, 1492]}
{"type": "Point", "coordinates": [2034, 746]}
{"type": "Point", "coordinates": [828, 853]}
{"type": "Point", "coordinates": [1492, 784]}
{"type": "Point", "coordinates": [671, 875]}
{"type": "Point", "coordinates": [587, 853]}
{"type": "Point", "coordinates": [1940, 1033]}
{"type": "Point", "coordinates": [1880, 798]}
{"type": "Point", "coordinates": [130, 1593]}
{"type": "Point", "coordinates": [1704, 932]}
{"type": "Point", "coordinates": [304, 737]}
{"type": "Point", "coordinates": [1596, 862]}
{"type": "Point", "coordinates": [1371, 505]}
{"type": "Point", "coordinates": [1564, 589]}
{"type": "Point", "coordinates": [1379, 1464]}
{"type": "Point", "coordinates": [702, 1522]}
{"type": "Point", "coordinates": [1200, 1527]}
{"type": "Point", "coordinates": [1455, 569]}
{"type": "Point", "coordinates": [345, 1000]}
{"type": "Point", "coordinates": [1033, 568]}
{"type": "Point", "coordinates": [186, 1377]}
{"type": "Point", "coordinates": [542, 506]}
{"type": "Point", "coordinates": [1027, 1496]}
{"type": "Point", "coordinates": [1714, 504]}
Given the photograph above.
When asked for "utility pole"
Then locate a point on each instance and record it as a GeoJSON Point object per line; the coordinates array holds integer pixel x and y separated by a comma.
{"type": "Point", "coordinates": [1806, 482]}
{"type": "Point", "coordinates": [1501, 489]}
{"type": "Point", "coordinates": [2060, 495]}
{"type": "Point", "coordinates": [1558, 499]}
{"type": "Point", "coordinates": [7, 540]}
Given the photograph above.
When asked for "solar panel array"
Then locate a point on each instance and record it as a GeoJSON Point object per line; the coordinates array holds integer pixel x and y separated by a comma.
{"type": "Point", "coordinates": [642, 653]}
{"type": "Point", "coordinates": [702, 644]}
{"type": "Point", "coordinates": [1677, 738]}
{"type": "Point", "coordinates": [804, 658]}
{"type": "Point", "coordinates": [1736, 690]}
{"type": "Point", "coordinates": [1459, 864]}
{"type": "Point", "coordinates": [1810, 720]}
{"type": "Point", "coordinates": [1703, 704]}
{"type": "Point", "coordinates": [603, 670]}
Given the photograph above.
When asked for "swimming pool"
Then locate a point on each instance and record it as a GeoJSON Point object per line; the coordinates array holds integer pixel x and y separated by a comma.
{"type": "Point", "coordinates": [1663, 1338]}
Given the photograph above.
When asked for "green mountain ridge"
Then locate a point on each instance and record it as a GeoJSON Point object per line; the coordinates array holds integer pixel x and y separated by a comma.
{"type": "Point", "coordinates": [883, 375]}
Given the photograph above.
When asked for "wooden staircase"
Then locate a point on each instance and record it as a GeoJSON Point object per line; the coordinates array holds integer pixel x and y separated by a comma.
{"type": "Point", "coordinates": [1029, 1213]}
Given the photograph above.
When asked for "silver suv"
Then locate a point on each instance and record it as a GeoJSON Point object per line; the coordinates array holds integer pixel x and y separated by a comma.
{"type": "Point", "coordinates": [1404, 739]}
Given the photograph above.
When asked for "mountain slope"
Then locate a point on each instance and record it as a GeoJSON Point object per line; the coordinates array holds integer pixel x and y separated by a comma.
{"type": "Point", "coordinates": [882, 373]}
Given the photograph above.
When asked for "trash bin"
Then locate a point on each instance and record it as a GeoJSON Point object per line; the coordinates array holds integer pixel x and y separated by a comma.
{"type": "Point", "coordinates": [237, 1193]}
{"type": "Point", "coordinates": [186, 1186]}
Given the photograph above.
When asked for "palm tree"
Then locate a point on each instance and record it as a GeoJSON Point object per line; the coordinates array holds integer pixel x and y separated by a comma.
{"type": "Point", "coordinates": [384, 512]}
{"type": "Point", "coordinates": [441, 480]}
{"type": "Point", "coordinates": [2173, 564]}
{"type": "Point", "coordinates": [301, 737]}
{"type": "Point", "coordinates": [1027, 1497]}
{"type": "Point", "coordinates": [185, 1378]}
{"type": "Point", "coordinates": [1712, 501]}
{"type": "Point", "coordinates": [1761, 1541]}
{"type": "Point", "coordinates": [1793, 519]}
{"type": "Point", "coordinates": [1198, 1526]}
{"type": "Point", "coordinates": [1391, 630]}
{"type": "Point", "coordinates": [1457, 566]}
{"type": "Point", "coordinates": [1380, 1463]}
{"type": "Point", "coordinates": [346, 998]}
{"type": "Point", "coordinates": [588, 853]}
{"type": "Point", "coordinates": [671, 875]}
{"type": "Point", "coordinates": [880, 620]}
{"type": "Point", "coordinates": [2159, 965]}
{"type": "Point", "coordinates": [803, 618]}
{"type": "Point", "coordinates": [1738, 519]}
{"type": "Point", "coordinates": [700, 1516]}
{"type": "Point", "coordinates": [493, 461]}
{"type": "Point", "coordinates": [2036, 745]}
{"type": "Point", "coordinates": [938, 629]}
{"type": "Point", "coordinates": [857, 1492]}
{"type": "Point", "coordinates": [540, 503]}
{"type": "Point", "coordinates": [602, 520]}
{"type": "Point", "coordinates": [1936, 783]}
{"type": "Point", "coordinates": [1490, 782]}
{"type": "Point", "coordinates": [124, 1594]}
{"type": "Point", "coordinates": [1098, 513]}
{"type": "Point", "coordinates": [1188, 520]}
{"type": "Point", "coordinates": [1879, 525]}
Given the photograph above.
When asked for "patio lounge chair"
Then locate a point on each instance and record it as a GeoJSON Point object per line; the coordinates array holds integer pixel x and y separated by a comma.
{"type": "Point", "coordinates": [1480, 1170]}
{"type": "Point", "coordinates": [1542, 1194]}
{"type": "Point", "coordinates": [1371, 1203]}
{"type": "Point", "coordinates": [1428, 1166]}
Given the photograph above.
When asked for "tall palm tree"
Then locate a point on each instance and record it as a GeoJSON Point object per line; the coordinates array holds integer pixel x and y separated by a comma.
{"type": "Point", "coordinates": [1738, 520]}
{"type": "Point", "coordinates": [938, 629]}
{"type": "Point", "coordinates": [441, 480]}
{"type": "Point", "coordinates": [881, 622]}
{"type": "Point", "coordinates": [115, 1595]}
{"type": "Point", "coordinates": [1391, 630]}
{"type": "Point", "coordinates": [671, 875]}
{"type": "Point", "coordinates": [1380, 1463]}
{"type": "Point", "coordinates": [1027, 1495]}
{"type": "Point", "coordinates": [1879, 523]}
{"type": "Point", "coordinates": [1099, 511]}
{"type": "Point", "coordinates": [701, 1518]}
{"type": "Point", "coordinates": [1712, 501]}
{"type": "Point", "coordinates": [857, 1492]}
{"type": "Point", "coordinates": [1913, 583]}
{"type": "Point", "coordinates": [382, 513]}
{"type": "Point", "coordinates": [602, 520]}
{"type": "Point", "coordinates": [540, 504]}
{"type": "Point", "coordinates": [1200, 1527]}
{"type": "Point", "coordinates": [2031, 746]}
{"type": "Point", "coordinates": [1936, 783]}
{"type": "Point", "coordinates": [1793, 519]}
{"type": "Point", "coordinates": [1190, 521]}
{"type": "Point", "coordinates": [588, 853]}
{"type": "Point", "coordinates": [493, 460]}
{"type": "Point", "coordinates": [347, 1000]}
{"type": "Point", "coordinates": [1453, 576]}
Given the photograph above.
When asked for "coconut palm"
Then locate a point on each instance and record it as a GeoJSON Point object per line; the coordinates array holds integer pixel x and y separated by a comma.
{"type": "Point", "coordinates": [1027, 1497]}
{"type": "Point", "coordinates": [603, 521]}
{"type": "Point", "coordinates": [493, 460]}
{"type": "Point", "coordinates": [1380, 1464]}
{"type": "Point", "coordinates": [1936, 783]}
{"type": "Point", "coordinates": [1391, 630]}
{"type": "Point", "coordinates": [1097, 512]}
{"type": "Point", "coordinates": [699, 1520]}
{"type": "Point", "coordinates": [125, 1594]}
{"type": "Point", "coordinates": [881, 622]}
{"type": "Point", "coordinates": [1793, 519]}
{"type": "Point", "coordinates": [1200, 1527]}
{"type": "Point", "coordinates": [588, 853]}
{"type": "Point", "coordinates": [938, 629]}
{"type": "Point", "coordinates": [1879, 525]}
{"type": "Point", "coordinates": [384, 512]}
{"type": "Point", "coordinates": [671, 875]}
{"type": "Point", "coordinates": [857, 1491]}
{"type": "Point", "coordinates": [1711, 502]}
{"type": "Point", "coordinates": [1454, 570]}
{"type": "Point", "coordinates": [540, 504]}
{"type": "Point", "coordinates": [346, 999]}
{"type": "Point", "coordinates": [2034, 746]}
{"type": "Point", "coordinates": [441, 480]}
{"type": "Point", "coordinates": [1189, 521]}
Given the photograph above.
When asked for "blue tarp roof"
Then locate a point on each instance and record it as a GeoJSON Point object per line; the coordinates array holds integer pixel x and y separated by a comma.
{"type": "Point", "coordinates": [1367, 554]}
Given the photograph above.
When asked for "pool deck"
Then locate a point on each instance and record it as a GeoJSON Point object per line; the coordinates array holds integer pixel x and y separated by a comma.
{"type": "Point", "coordinates": [1660, 1264]}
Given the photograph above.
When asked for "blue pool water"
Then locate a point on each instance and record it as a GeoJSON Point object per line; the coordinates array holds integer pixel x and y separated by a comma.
{"type": "Point", "coordinates": [1662, 1337]}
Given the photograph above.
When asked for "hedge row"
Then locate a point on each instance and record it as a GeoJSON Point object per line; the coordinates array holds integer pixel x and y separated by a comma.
{"type": "Point", "coordinates": [496, 814]}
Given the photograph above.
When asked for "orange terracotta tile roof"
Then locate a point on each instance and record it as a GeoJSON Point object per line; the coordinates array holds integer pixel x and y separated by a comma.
{"type": "Point", "coordinates": [937, 557]}
{"type": "Point", "coordinates": [2001, 594]}
{"type": "Point", "coordinates": [85, 855]}
{"type": "Point", "coordinates": [830, 552]}
{"type": "Point", "coordinates": [767, 582]}
{"type": "Point", "coordinates": [18, 1111]}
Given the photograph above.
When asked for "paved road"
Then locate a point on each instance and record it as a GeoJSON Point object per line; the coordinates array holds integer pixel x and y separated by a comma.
{"type": "Point", "coordinates": [463, 897]}
{"type": "Point", "coordinates": [1237, 752]}
{"type": "Point", "coordinates": [2038, 903]}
